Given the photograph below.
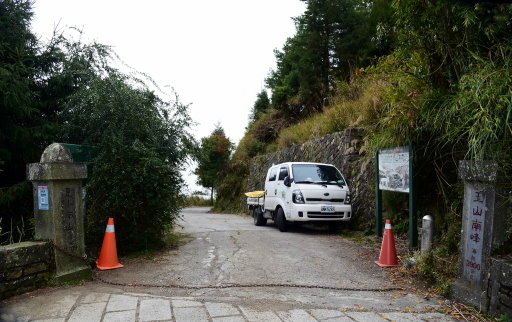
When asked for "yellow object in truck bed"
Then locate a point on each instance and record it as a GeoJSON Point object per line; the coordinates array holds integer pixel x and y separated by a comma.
{"type": "Point", "coordinates": [255, 194]}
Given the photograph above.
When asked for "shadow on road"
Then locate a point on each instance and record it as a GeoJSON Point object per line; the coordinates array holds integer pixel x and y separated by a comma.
{"type": "Point", "coordinates": [307, 228]}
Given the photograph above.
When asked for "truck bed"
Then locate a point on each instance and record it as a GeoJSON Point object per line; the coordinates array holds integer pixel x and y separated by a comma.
{"type": "Point", "coordinates": [255, 201]}
{"type": "Point", "coordinates": [255, 198]}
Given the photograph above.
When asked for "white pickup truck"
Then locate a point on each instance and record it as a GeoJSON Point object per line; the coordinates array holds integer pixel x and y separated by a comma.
{"type": "Point", "coordinates": [301, 192]}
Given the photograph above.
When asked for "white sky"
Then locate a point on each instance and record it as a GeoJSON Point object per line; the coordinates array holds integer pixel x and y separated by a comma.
{"type": "Point", "coordinates": [215, 54]}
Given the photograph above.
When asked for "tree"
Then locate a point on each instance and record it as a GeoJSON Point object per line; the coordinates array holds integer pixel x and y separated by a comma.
{"type": "Point", "coordinates": [143, 142]}
{"type": "Point", "coordinates": [450, 34]}
{"type": "Point", "coordinates": [212, 158]}
{"type": "Point", "coordinates": [18, 55]}
{"type": "Point", "coordinates": [333, 38]}
{"type": "Point", "coordinates": [261, 105]}
{"type": "Point", "coordinates": [67, 91]}
{"type": "Point", "coordinates": [28, 110]}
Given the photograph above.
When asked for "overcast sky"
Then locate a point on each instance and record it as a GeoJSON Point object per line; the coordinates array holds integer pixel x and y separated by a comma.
{"type": "Point", "coordinates": [215, 54]}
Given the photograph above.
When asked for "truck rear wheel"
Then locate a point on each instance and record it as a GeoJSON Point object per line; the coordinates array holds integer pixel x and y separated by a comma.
{"type": "Point", "coordinates": [257, 215]}
{"type": "Point", "coordinates": [281, 220]}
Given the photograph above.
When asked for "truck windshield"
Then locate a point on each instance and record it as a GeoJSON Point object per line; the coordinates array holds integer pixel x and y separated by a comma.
{"type": "Point", "coordinates": [317, 174]}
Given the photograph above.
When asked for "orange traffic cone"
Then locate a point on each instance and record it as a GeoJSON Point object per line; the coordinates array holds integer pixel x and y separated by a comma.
{"type": "Point", "coordinates": [387, 257]}
{"type": "Point", "coordinates": [108, 254]}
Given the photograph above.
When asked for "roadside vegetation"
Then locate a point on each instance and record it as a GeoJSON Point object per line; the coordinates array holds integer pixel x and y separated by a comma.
{"type": "Point", "coordinates": [197, 201]}
{"type": "Point", "coordinates": [172, 240]}
{"type": "Point", "coordinates": [212, 155]}
{"type": "Point", "coordinates": [69, 91]}
{"type": "Point", "coordinates": [436, 74]}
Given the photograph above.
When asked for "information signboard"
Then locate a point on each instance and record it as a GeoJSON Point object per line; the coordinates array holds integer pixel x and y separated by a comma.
{"type": "Point", "coordinates": [394, 172]}
{"type": "Point", "coordinates": [394, 169]}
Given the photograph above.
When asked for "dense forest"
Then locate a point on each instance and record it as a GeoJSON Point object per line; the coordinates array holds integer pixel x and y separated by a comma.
{"type": "Point", "coordinates": [69, 91]}
{"type": "Point", "coordinates": [435, 73]}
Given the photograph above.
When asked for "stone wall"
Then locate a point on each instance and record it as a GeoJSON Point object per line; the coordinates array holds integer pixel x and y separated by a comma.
{"type": "Point", "coordinates": [501, 287]}
{"type": "Point", "coordinates": [500, 277]}
{"type": "Point", "coordinates": [343, 150]}
{"type": "Point", "coordinates": [24, 267]}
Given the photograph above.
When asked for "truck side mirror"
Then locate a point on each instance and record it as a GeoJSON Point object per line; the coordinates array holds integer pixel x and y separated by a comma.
{"type": "Point", "coordinates": [287, 181]}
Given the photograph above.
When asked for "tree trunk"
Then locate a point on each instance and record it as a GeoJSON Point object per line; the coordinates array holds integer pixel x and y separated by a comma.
{"type": "Point", "coordinates": [211, 197]}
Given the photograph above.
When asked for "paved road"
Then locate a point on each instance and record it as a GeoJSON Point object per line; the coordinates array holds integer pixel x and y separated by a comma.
{"type": "Point", "coordinates": [227, 272]}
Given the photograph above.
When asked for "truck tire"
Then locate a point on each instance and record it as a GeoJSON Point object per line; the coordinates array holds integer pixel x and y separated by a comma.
{"type": "Point", "coordinates": [257, 215]}
{"type": "Point", "coordinates": [281, 220]}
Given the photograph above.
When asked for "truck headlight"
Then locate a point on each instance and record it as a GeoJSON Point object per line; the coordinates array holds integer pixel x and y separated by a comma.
{"type": "Point", "coordinates": [297, 196]}
{"type": "Point", "coordinates": [348, 200]}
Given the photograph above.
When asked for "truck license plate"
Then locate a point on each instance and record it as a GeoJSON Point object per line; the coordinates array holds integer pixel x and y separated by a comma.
{"type": "Point", "coordinates": [327, 208]}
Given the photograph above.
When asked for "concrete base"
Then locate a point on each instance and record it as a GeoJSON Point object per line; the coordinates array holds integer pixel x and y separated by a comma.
{"type": "Point", "coordinates": [75, 276]}
{"type": "Point", "coordinates": [464, 292]}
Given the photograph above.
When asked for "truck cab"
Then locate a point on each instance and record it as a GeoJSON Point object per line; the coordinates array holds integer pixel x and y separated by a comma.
{"type": "Point", "coordinates": [304, 192]}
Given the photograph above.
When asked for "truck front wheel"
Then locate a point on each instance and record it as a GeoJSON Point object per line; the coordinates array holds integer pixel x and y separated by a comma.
{"type": "Point", "coordinates": [257, 215]}
{"type": "Point", "coordinates": [281, 220]}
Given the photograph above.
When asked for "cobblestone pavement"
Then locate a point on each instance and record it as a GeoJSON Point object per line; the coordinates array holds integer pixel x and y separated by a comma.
{"type": "Point", "coordinates": [79, 304]}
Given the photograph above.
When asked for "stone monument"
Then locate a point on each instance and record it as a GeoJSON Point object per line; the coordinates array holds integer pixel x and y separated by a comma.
{"type": "Point", "coordinates": [478, 225]}
{"type": "Point", "coordinates": [59, 209]}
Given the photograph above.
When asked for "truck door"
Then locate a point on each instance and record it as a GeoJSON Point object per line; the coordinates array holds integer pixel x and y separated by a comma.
{"type": "Point", "coordinates": [283, 192]}
{"type": "Point", "coordinates": [271, 190]}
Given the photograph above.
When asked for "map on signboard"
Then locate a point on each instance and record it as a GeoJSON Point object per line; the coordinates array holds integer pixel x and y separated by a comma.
{"type": "Point", "coordinates": [394, 169]}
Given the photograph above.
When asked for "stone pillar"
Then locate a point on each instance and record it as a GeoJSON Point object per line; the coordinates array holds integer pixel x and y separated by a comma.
{"type": "Point", "coordinates": [427, 233]}
{"type": "Point", "coordinates": [477, 232]}
{"type": "Point", "coordinates": [59, 209]}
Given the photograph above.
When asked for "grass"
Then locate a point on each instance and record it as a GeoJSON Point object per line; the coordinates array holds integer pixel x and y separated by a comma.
{"type": "Point", "coordinates": [438, 268]}
{"type": "Point", "coordinates": [359, 104]}
{"type": "Point", "coordinates": [435, 270]}
{"type": "Point", "coordinates": [360, 237]}
{"type": "Point", "coordinates": [172, 240]}
{"type": "Point", "coordinates": [196, 201]}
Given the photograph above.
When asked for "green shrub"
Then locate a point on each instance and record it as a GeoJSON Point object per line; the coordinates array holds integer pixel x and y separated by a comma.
{"type": "Point", "coordinates": [438, 269]}
{"type": "Point", "coordinates": [505, 318]}
{"type": "Point", "coordinates": [230, 192]}
{"type": "Point", "coordinates": [395, 207]}
{"type": "Point", "coordinates": [249, 146]}
{"type": "Point", "coordinates": [478, 116]}
{"type": "Point", "coordinates": [17, 213]}
{"type": "Point", "coordinates": [267, 128]}
{"type": "Point", "coordinates": [400, 91]}
{"type": "Point", "coordinates": [196, 201]}
{"type": "Point", "coordinates": [135, 178]}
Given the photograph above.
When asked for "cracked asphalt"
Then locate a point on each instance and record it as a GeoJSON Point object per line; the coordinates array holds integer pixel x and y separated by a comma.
{"type": "Point", "coordinates": [228, 250]}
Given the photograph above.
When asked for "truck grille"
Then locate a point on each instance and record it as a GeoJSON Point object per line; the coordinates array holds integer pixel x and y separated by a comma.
{"type": "Point", "coordinates": [318, 214]}
{"type": "Point", "coordinates": [325, 200]}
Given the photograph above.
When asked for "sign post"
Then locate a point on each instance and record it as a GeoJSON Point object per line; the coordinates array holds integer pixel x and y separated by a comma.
{"type": "Point", "coordinates": [413, 227]}
{"type": "Point", "coordinates": [378, 198]}
{"type": "Point", "coordinates": [394, 172]}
